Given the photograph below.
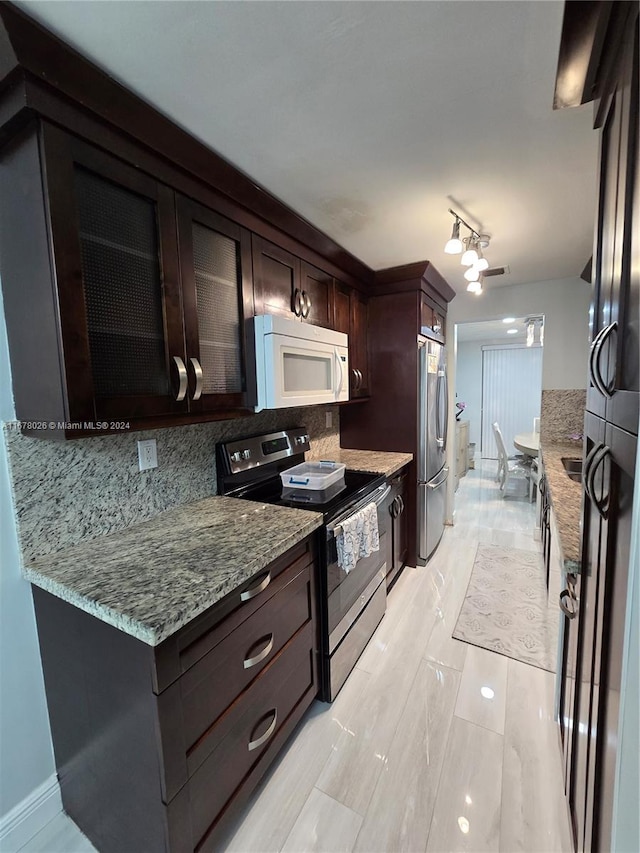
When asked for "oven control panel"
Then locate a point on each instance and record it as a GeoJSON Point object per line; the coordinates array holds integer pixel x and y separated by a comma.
{"type": "Point", "coordinates": [246, 453]}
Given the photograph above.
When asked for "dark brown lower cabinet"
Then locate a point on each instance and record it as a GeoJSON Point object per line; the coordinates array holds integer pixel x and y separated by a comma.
{"type": "Point", "coordinates": [399, 526]}
{"type": "Point", "coordinates": [157, 747]}
{"type": "Point", "coordinates": [594, 638]}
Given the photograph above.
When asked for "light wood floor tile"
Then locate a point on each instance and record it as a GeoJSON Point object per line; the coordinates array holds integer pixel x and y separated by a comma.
{"type": "Point", "coordinates": [483, 689]}
{"type": "Point", "coordinates": [533, 806]}
{"type": "Point", "coordinates": [467, 811]}
{"type": "Point", "coordinates": [60, 835]}
{"type": "Point", "coordinates": [400, 811]}
{"type": "Point", "coordinates": [323, 825]}
{"type": "Point", "coordinates": [352, 771]}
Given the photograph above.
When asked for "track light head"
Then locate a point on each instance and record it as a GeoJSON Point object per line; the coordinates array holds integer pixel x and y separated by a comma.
{"type": "Point", "coordinates": [454, 244]}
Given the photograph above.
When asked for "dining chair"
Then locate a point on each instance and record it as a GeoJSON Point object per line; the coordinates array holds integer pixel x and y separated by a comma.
{"type": "Point", "coordinates": [510, 466]}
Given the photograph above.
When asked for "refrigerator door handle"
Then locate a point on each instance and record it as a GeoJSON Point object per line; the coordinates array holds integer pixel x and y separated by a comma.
{"type": "Point", "coordinates": [438, 483]}
{"type": "Point", "coordinates": [445, 408]}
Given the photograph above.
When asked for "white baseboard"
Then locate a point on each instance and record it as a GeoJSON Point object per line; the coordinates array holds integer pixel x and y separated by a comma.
{"type": "Point", "coordinates": [30, 815]}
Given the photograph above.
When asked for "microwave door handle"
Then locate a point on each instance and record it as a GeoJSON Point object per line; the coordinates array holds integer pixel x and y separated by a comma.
{"type": "Point", "coordinates": [339, 389]}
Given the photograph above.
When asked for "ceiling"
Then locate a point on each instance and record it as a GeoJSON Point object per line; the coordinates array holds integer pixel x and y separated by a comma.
{"type": "Point", "coordinates": [371, 119]}
{"type": "Point", "coordinates": [493, 330]}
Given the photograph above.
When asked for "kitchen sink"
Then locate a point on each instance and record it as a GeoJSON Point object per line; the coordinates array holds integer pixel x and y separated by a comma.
{"type": "Point", "coordinates": [573, 467]}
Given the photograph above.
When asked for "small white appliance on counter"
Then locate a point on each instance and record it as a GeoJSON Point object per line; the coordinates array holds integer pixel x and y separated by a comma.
{"type": "Point", "coordinates": [298, 364]}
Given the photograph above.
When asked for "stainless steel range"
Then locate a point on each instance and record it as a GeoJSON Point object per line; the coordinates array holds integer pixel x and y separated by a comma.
{"type": "Point", "coordinates": [353, 603]}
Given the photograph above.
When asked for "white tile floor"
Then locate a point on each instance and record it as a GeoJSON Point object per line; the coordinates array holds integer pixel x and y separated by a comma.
{"type": "Point", "coordinates": [432, 745]}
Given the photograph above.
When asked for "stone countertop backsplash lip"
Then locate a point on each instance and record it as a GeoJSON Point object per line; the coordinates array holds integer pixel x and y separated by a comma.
{"type": "Point", "coordinates": [373, 461]}
{"type": "Point", "coordinates": [566, 498]}
{"type": "Point", "coordinates": [153, 578]}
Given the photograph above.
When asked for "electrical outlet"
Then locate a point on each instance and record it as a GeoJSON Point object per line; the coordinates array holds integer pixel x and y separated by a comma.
{"type": "Point", "coordinates": [328, 419]}
{"type": "Point", "coordinates": [147, 455]}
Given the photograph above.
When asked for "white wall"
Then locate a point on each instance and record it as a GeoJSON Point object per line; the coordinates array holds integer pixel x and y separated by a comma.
{"type": "Point", "coordinates": [26, 753]}
{"type": "Point", "coordinates": [565, 305]}
{"type": "Point", "coordinates": [468, 386]}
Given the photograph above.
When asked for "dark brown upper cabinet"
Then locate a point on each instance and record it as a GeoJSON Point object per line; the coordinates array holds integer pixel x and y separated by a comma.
{"type": "Point", "coordinates": [350, 315]}
{"type": "Point", "coordinates": [285, 285]}
{"type": "Point", "coordinates": [119, 309]}
{"type": "Point", "coordinates": [215, 260]}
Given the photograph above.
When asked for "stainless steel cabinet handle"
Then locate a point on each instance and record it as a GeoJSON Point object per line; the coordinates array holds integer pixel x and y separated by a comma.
{"type": "Point", "coordinates": [359, 372]}
{"type": "Point", "coordinates": [249, 662]}
{"type": "Point", "coordinates": [586, 470]}
{"type": "Point", "coordinates": [256, 590]}
{"type": "Point", "coordinates": [197, 370]}
{"type": "Point", "coordinates": [401, 499]}
{"type": "Point", "coordinates": [592, 353]}
{"type": "Point", "coordinates": [570, 612]}
{"type": "Point", "coordinates": [254, 744]}
{"type": "Point", "coordinates": [393, 507]}
{"type": "Point", "coordinates": [598, 458]}
{"type": "Point", "coordinates": [594, 361]}
{"type": "Point", "coordinates": [297, 302]}
{"type": "Point", "coordinates": [183, 379]}
{"type": "Point", "coordinates": [306, 304]}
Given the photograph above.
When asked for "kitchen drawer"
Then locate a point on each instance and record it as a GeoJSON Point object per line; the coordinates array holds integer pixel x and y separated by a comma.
{"type": "Point", "coordinates": [210, 686]}
{"type": "Point", "coordinates": [178, 653]}
{"type": "Point", "coordinates": [256, 718]}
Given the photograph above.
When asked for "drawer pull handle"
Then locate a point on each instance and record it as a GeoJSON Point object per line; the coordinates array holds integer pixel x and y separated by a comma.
{"type": "Point", "coordinates": [249, 662]}
{"type": "Point", "coordinates": [254, 744]}
{"type": "Point", "coordinates": [256, 590]}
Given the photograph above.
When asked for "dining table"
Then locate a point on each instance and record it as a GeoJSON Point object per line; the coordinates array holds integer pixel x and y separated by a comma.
{"type": "Point", "coordinates": [527, 442]}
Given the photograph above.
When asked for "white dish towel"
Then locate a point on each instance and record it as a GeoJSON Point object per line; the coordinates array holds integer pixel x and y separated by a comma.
{"type": "Point", "coordinates": [358, 537]}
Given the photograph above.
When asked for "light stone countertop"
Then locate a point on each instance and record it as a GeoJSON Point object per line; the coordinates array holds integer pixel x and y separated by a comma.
{"type": "Point", "coordinates": [372, 461]}
{"type": "Point", "coordinates": [153, 578]}
{"type": "Point", "coordinates": [566, 498]}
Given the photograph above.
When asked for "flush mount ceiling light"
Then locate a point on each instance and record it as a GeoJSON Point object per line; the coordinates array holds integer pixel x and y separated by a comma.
{"type": "Point", "coordinates": [512, 331]}
{"type": "Point", "coordinates": [472, 257]}
{"type": "Point", "coordinates": [509, 320]}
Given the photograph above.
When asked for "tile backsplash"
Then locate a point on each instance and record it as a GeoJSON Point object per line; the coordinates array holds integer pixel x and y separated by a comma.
{"type": "Point", "coordinates": [65, 492]}
{"type": "Point", "coordinates": [562, 414]}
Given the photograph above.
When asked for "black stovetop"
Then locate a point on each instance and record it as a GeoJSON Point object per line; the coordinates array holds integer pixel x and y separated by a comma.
{"type": "Point", "coordinates": [332, 501]}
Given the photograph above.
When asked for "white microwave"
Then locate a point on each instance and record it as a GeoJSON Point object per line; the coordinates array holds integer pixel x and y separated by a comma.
{"type": "Point", "coordinates": [298, 364]}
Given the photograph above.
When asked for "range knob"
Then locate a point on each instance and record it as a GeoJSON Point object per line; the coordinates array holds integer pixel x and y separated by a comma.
{"type": "Point", "coordinates": [246, 454]}
{"type": "Point", "coordinates": [236, 456]}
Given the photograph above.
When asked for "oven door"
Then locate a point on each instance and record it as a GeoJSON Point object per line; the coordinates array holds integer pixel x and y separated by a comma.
{"type": "Point", "coordinates": [349, 593]}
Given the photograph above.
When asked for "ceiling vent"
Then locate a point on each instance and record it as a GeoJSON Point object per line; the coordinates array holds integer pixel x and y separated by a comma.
{"type": "Point", "coordinates": [505, 270]}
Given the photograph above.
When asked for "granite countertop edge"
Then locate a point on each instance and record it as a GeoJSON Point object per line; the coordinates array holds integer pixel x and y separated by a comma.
{"type": "Point", "coordinates": [386, 462]}
{"type": "Point", "coordinates": [566, 499]}
{"type": "Point", "coordinates": [212, 588]}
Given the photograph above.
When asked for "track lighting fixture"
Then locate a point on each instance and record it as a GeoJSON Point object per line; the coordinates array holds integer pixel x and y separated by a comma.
{"type": "Point", "coordinates": [454, 245]}
{"type": "Point", "coordinates": [535, 324]}
{"type": "Point", "coordinates": [472, 257]}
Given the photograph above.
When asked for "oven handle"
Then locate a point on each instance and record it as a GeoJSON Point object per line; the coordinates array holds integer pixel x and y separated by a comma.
{"type": "Point", "coordinates": [337, 525]}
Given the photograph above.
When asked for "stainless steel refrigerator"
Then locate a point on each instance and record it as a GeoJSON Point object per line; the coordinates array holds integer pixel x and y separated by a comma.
{"type": "Point", "coordinates": [432, 446]}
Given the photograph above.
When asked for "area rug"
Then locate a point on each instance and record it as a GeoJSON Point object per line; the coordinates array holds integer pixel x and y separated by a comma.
{"type": "Point", "coordinates": [505, 607]}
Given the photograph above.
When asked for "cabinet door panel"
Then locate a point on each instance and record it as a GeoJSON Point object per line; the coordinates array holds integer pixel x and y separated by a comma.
{"type": "Point", "coordinates": [119, 289]}
{"type": "Point", "coordinates": [623, 406]}
{"type": "Point", "coordinates": [276, 276]}
{"type": "Point", "coordinates": [214, 263]}
{"type": "Point", "coordinates": [341, 308]}
{"type": "Point", "coordinates": [358, 351]}
{"type": "Point", "coordinates": [316, 287]}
